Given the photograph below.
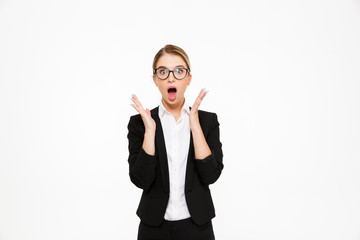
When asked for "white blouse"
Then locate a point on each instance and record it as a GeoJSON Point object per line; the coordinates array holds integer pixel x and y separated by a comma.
{"type": "Point", "coordinates": [177, 142]}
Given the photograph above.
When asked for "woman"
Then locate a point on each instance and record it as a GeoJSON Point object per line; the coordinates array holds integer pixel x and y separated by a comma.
{"type": "Point", "coordinates": [174, 154]}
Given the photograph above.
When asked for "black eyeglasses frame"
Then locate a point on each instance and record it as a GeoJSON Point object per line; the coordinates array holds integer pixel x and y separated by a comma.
{"type": "Point", "coordinates": [187, 71]}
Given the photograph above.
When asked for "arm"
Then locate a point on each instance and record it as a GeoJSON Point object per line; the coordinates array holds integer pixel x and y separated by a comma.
{"type": "Point", "coordinates": [142, 160]}
{"type": "Point", "coordinates": [208, 153]}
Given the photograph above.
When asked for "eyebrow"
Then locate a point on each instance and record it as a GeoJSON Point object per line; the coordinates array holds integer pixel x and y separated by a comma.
{"type": "Point", "coordinates": [175, 66]}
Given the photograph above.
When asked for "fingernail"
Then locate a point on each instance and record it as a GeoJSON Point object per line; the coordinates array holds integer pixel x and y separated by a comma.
{"type": "Point", "coordinates": [132, 95]}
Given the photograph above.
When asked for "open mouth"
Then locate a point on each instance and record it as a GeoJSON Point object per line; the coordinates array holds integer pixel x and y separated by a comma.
{"type": "Point", "coordinates": [171, 90]}
{"type": "Point", "coordinates": [172, 93]}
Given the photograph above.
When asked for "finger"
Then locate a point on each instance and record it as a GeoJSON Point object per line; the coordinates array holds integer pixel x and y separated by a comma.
{"type": "Point", "coordinates": [134, 104]}
{"type": "Point", "coordinates": [202, 97]}
{"type": "Point", "coordinates": [198, 100]}
{"type": "Point", "coordinates": [136, 108]}
{"type": "Point", "coordinates": [137, 102]}
{"type": "Point", "coordinates": [196, 105]}
{"type": "Point", "coordinates": [199, 96]}
{"type": "Point", "coordinates": [205, 93]}
{"type": "Point", "coordinates": [201, 93]}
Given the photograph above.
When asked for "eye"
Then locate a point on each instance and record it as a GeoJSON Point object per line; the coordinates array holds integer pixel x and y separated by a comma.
{"type": "Point", "coordinates": [163, 71]}
{"type": "Point", "coordinates": [179, 70]}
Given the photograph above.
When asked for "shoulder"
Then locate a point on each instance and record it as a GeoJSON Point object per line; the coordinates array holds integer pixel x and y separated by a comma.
{"type": "Point", "coordinates": [137, 120]}
{"type": "Point", "coordinates": [208, 118]}
{"type": "Point", "coordinates": [206, 114]}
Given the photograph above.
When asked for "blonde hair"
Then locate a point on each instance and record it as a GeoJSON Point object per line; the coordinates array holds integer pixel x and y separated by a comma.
{"type": "Point", "coordinates": [171, 49]}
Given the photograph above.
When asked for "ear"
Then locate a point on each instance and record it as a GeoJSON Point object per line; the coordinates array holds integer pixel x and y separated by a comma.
{"type": "Point", "coordinates": [189, 77]}
{"type": "Point", "coordinates": [154, 79]}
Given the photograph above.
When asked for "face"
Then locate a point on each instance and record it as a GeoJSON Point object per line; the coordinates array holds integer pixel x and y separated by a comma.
{"type": "Point", "coordinates": [171, 62]}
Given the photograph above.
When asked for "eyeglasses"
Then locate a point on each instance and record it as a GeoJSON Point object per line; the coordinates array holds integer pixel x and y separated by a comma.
{"type": "Point", "coordinates": [163, 73]}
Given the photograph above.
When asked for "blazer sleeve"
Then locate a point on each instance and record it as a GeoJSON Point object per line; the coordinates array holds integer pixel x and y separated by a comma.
{"type": "Point", "coordinates": [142, 166]}
{"type": "Point", "coordinates": [210, 168]}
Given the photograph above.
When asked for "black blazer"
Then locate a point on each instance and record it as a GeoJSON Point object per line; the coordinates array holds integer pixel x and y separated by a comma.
{"type": "Point", "coordinates": [151, 173]}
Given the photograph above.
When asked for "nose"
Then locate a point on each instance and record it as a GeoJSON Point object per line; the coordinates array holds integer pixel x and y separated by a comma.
{"type": "Point", "coordinates": [171, 77]}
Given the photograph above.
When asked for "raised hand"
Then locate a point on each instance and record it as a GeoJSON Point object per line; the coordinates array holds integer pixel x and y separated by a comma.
{"type": "Point", "coordinates": [194, 116]}
{"type": "Point", "coordinates": [149, 122]}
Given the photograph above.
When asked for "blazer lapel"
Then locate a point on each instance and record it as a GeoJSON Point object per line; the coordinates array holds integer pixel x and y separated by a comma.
{"type": "Point", "coordinates": [160, 149]}
{"type": "Point", "coordinates": [189, 166]}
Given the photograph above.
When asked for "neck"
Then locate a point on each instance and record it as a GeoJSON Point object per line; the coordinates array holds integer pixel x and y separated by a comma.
{"type": "Point", "coordinates": [175, 108]}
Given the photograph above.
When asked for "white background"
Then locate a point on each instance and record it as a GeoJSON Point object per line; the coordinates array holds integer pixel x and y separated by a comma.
{"type": "Point", "coordinates": [283, 77]}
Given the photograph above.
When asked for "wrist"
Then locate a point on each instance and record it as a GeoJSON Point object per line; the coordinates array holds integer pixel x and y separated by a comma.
{"type": "Point", "coordinates": [196, 128]}
{"type": "Point", "coordinates": [149, 133]}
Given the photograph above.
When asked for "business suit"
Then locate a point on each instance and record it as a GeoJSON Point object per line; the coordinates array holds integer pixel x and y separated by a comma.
{"type": "Point", "coordinates": [151, 173]}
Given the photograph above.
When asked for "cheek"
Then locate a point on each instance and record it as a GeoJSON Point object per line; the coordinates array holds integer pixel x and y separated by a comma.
{"type": "Point", "coordinates": [183, 87]}
{"type": "Point", "coordinates": [163, 89]}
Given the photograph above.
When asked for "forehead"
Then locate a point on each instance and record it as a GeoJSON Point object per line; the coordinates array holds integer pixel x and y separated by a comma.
{"type": "Point", "coordinates": [170, 61]}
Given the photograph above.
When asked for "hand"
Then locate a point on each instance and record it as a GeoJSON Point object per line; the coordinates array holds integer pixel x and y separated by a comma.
{"type": "Point", "coordinates": [194, 116]}
{"type": "Point", "coordinates": [149, 122]}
